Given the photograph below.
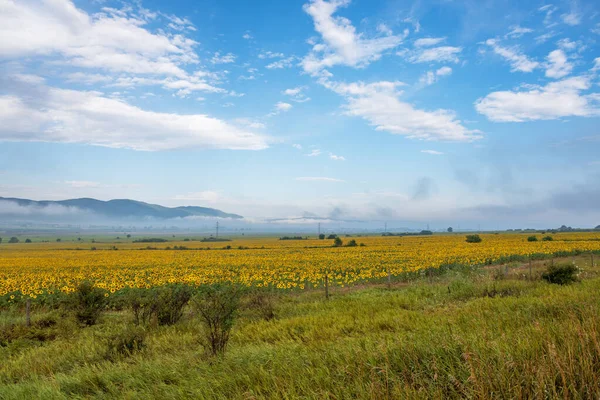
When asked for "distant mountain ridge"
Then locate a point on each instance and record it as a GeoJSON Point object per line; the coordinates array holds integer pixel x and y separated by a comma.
{"type": "Point", "coordinates": [123, 208]}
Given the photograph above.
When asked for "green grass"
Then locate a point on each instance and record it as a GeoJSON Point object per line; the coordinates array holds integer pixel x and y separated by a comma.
{"type": "Point", "coordinates": [482, 334]}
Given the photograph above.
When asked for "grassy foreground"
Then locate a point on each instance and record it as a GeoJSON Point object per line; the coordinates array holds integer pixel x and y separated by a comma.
{"type": "Point", "coordinates": [487, 333]}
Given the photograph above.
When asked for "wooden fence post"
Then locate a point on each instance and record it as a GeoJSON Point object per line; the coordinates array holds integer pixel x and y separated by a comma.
{"type": "Point", "coordinates": [389, 279]}
{"type": "Point", "coordinates": [28, 311]}
{"type": "Point", "coordinates": [530, 273]}
{"type": "Point", "coordinates": [326, 287]}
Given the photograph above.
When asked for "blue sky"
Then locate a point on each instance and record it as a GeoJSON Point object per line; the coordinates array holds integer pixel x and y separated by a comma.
{"type": "Point", "coordinates": [441, 112]}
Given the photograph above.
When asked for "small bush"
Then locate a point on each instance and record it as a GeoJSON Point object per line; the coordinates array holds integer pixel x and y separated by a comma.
{"type": "Point", "coordinates": [261, 303]}
{"type": "Point", "coordinates": [27, 240]}
{"type": "Point", "coordinates": [125, 343]}
{"type": "Point", "coordinates": [352, 243]}
{"type": "Point", "coordinates": [322, 236]}
{"type": "Point", "coordinates": [217, 306]}
{"type": "Point", "coordinates": [13, 239]}
{"type": "Point", "coordinates": [473, 239]}
{"type": "Point", "coordinates": [143, 304]}
{"type": "Point", "coordinates": [88, 302]}
{"type": "Point", "coordinates": [561, 274]}
{"type": "Point", "coordinates": [337, 242]}
{"type": "Point", "coordinates": [170, 302]}
{"type": "Point", "coordinates": [332, 236]}
{"type": "Point", "coordinates": [547, 238]}
{"type": "Point", "coordinates": [532, 239]}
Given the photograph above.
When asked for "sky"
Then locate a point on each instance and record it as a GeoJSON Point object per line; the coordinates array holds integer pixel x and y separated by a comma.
{"type": "Point", "coordinates": [473, 113]}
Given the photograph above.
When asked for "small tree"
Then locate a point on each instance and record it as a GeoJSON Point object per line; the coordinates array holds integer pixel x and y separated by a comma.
{"type": "Point", "coordinates": [13, 240]}
{"type": "Point", "coordinates": [27, 240]}
{"type": "Point", "coordinates": [0, 240]}
{"type": "Point", "coordinates": [473, 239]}
{"type": "Point", "coordinates": [547, 238]}
{"type": "Point", "coordinates": [561, 274]}
{"type": "Point", "coordinates": [450, 230]}
{"type": "Point", "coordinates": [352, 243]}
{"type": "Point", "coordinates": [332, 236]}
{"type": "Point", "coordinates": [58, 239]}
{"type": "Point", "coordinates": [532, 239]}
{"type": "Point", "coordinates": [322, 236]}
{"type": "Point", "coordinates": [217, 306]}
{"type": "Point", "coordinates": [337, 242]}
{"type": "Point", "coordinates": [88, 302]}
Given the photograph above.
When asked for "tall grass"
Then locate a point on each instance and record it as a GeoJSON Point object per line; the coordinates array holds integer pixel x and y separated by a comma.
{"type": "Point", "coordinates": [462, 335]}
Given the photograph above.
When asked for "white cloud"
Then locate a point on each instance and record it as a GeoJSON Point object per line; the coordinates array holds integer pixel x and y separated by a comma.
{"type": "Point", "coordinates": [342, 45]}
{"type": "Point", "coordinates": [430, 77]}
{"type": "Point", "coordinates": [270, 54]}
{"type": "Point", "coordinates": [555, 100]}
{"type": "Point", "coordinates": [518, 61]}
{"type": "Point", "coordinates": [432, 152]}
{"type": "Point", "coordinates": [336, 158]}
{"type": "Point", "coordinates": [427, 42]}
{"type": "Point", "coordinates": [596, 66]}
{"type": "Point", "coordinates": [573, 18]}
{"type": "Point", "coordinates": [69, 116]}
{"type": "Point", "coordinates": [247, 36]}
{"type": "Point", "coordinates": [545, 37]}
{"type": "Point", "coordinates": [558, 66]}
{"type": "Point", "coordinates": [222, 59]}
{"type": "Point", "coordinates": [281, 106]}
{"type": "Point", "coordinates": [384, 29]}
{"type": "Point", "coordinates": [114, 40]}
{"type": "Point", "coordinates": [318, 179]}
{"type": "Point", "coordinates": [379, 104]}
{"type": "Point", "coordinates": [297, 146]}
{"type": "Point", "coordinates": [517, 31]}
{"type": "Point", "coordinates": [297, 94]}
{"type": "Point", "coordinates": [435, 54]}
{"type": "Point", "coordinates": [283, 63]}
{"type": "Point", "coordinates": [567, 44]}
{"type": "Point", "coordinates": [314, 153]}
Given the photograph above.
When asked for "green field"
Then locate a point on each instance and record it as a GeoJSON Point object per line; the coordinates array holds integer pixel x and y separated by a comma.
{"type": "Point", "coordinates": [482, 333]}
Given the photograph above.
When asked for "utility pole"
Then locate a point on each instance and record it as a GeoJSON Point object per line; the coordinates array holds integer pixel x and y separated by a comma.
{"type": "Point", "coordinates": [385, 228]}
{"type": "Point", "coordinates": [319, 229]}
{"type": "Point", "coordinates": [217, 230]}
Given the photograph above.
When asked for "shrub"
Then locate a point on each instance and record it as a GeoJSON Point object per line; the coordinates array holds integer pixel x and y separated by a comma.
{"type": "Point", "coordinates": [13, 240]}
{"type": "Point", "coordinates": [125, 343]}
{"type": "Point", "coordinates": [88, 302]}
{"type": "Point", "coordinates": [352, 243]}
{"type": "Point", "coordinates": [27, 240]}
{"type": "Point", "coordinates": [321, 236]}
{"type": "Point", "coordinates": [473, 239]}
{"type": "Point", "coordinates": [332, 236]}
{"type": "Point", "coordinates": [561, 274]}
{"type": "Point", "coordinates": [143, 304]}
{"type": "Point", "coordinates": [532, 239]}
{"type": "Point", "coordinates": [217, 306]}
{"type": "Point", "coordinates": [261, 303]}
{"type": "Point", "coordinates": [170, 302]}
{"type": "Point", "coordinates": [547, 238]}
{"type": "Point", "coordinates": [337, 242]}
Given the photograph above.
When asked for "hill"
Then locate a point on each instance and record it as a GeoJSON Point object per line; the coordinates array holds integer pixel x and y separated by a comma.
{"type": "Point", "coordinates": [124, 208]}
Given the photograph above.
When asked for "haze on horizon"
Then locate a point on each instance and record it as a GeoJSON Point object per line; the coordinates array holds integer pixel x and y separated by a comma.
{"type": "Point", "coordinates": [411, 112]}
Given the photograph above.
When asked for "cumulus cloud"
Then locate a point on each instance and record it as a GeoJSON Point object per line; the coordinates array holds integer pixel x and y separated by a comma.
{"type": "Point", "coordinates": [558, 65]}
{"type": "Point", "coordinates": [342, 45]}
{"type": "Point", "coordinates": [281, 106]}
{"type": "Point", "coordinates": [58, 115]}
{"type": "Point", "coordinates": [379, 103]}
{"type": "Point", "coordinates": [336, 157]}
{"type": "Point", "coordinates": [517, 60]}
{"type": "Point", "coordinates": [114, 40]}
{"type": "Point", "coordinates": [430, 77]}
{"type": "Point", "coordinates": [314, 153]}
{"type": "Point", "coordinates": [297, 94]}
{"type": "Point", "coordinates": [222, 59]}
{"type": "Point", "coordinates": [555, 100]}
{"type": "Point", "coordinates": [281, 64]}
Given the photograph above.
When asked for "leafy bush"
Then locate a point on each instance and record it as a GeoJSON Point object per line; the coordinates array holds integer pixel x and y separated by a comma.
{"type": "Point", "coordinates": [126, 342]}
{"type": "Point", "coordinates": [473, 239]}
{"type": "Point", "coordinates": [352, 243]}
{"type": "Point", "coordinates": [337, 242]}
{"type": "Point", "coordinates": [88, 302]}
{"type": "Point", "coordinates": [217, 306]}
{"type": "Point", "coordinates": [532, 239]}
{"type": "Point", "coordinates": [143, 304]}
{"type": "Point", "coordinates": [322, 236]}
{"type": "Point", "coordinates": [13, 240]}
{"type": "Point", "coordinates": [27, 240]}
{"type": "Point", "coordinates": [547, 238]}
{"type": "Point", "coordinates": [261, 303]}
{"type": "Point", "coordinates": [561, 274]}
{"type": "Point", "coordinates": [332, 236]}
{"type": "Point", "coordinates": [170, 302]}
